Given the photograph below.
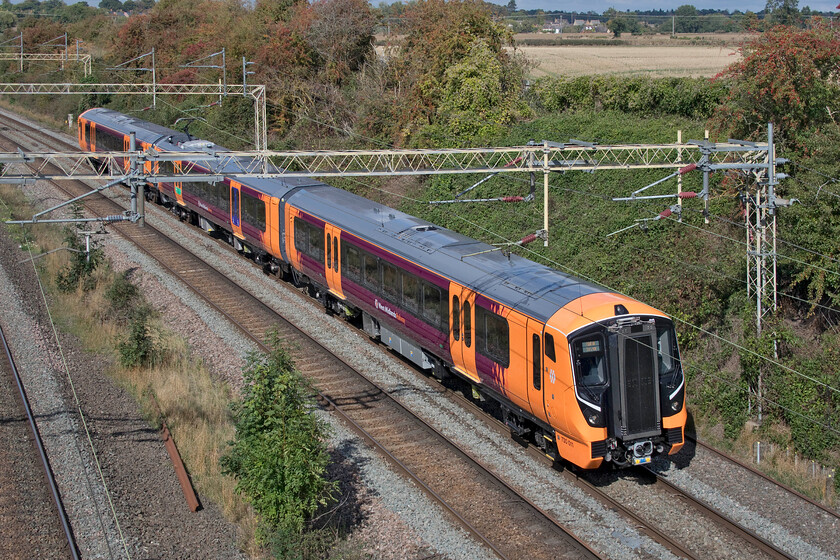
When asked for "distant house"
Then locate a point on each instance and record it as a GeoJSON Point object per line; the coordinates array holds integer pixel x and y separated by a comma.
{"type": "Point", "coordinates": [555, 26]}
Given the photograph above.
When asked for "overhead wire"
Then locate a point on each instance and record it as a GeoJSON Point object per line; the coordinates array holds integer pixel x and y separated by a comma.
{"type": "Point", "coordinates": [569, 269]}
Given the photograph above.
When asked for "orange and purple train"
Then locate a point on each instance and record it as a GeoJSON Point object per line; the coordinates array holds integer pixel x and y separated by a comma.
{"type": "Point", "coordinates": [589, 375]}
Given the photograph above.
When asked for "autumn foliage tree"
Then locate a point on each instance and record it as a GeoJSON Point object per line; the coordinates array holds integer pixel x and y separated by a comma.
{"type": "Point", "coordinates": [787, 76]}
{"type": "Point", "coordinates": [439, 35]}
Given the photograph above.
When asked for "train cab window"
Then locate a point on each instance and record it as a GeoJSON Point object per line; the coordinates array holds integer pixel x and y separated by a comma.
{"type": "Point", "coordinates": [370, 270]}
{"type": "Point", "coordinates": [492, 336]}
{"type": "Point", "coordinates": [537, 359]}
{"type": "Point", "coordinates": [549, 347]}
{"type": "Point", "coordinates": [410, 292]}
{"type": "Point", "coordinates": [666, 350]}
{"type": "Point", "coordinates": [456, 318]}
{"type": "Point", "coordinates": [352, 263]}
{"type": "Point", "coordinates": [431, 303]}
{"type": "Point", "coordinates": [467, 324]}
{"type": "Point", "coordinates": [590, 361]}
{"type": "Point", "coordinates": [390, 282]}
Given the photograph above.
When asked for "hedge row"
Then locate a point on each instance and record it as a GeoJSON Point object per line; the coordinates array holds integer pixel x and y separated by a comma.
{"type": "Point", "coordinates": [688, 97]}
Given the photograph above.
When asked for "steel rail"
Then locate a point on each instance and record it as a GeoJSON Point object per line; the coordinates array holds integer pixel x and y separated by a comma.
{"type": "Point", "coordinates": [755, 471]}
{"type": "Point", "coordinates": [732, 526]}
{"type": "Point", "coordinates": [45, 462]}
{"type": "Point", "coordinates": [256, 337]}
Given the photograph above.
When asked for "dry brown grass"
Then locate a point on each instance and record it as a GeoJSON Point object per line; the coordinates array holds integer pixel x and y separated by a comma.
{"type": "Point", "coordinates": [194, 404]}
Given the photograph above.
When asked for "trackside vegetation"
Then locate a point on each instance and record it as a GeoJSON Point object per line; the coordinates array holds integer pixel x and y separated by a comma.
{"type": "Point", "coordinates": [448, 75]}
{"type": "Point", "coordinates": [278, 456]}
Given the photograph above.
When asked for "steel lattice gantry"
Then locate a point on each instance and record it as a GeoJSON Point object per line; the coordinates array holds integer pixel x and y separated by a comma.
{"type": "Point", "coordinates": [546, 157]}
{"type": "Point", "coordinates": [84, 59]}
{"type": "Point", "coordinates": [255, 92]}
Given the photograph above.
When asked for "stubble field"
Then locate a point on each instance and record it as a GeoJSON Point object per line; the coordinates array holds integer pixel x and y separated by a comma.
{"type": "Point", "coordinates": [657, 57]}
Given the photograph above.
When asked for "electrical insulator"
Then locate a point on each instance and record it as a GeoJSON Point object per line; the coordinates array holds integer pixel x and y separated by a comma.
{"type": "Point", "coordinates": [687, 168]}
{"type": "Point", "coordinates": [512, 199]}
{"type": "Point", "coordinates": [687, 194]}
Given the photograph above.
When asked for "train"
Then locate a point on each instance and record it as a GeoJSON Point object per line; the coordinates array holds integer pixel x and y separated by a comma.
{"type": "Point", "coordinates": [590, 376]}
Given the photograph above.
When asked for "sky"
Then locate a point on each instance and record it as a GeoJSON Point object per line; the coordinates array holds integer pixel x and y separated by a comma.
{"type": "Point", "coordinates": [600, 5]}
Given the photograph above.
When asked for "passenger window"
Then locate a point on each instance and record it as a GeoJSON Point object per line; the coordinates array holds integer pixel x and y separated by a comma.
{"type": "Point", "coordinates": [301, 237]}
{"type": "Point", "coordinates": [316, 243]}
{"type": "Point", "coordinates": [352, 263]}
{"type": "Point", "coordinates": [335, 252]}
{"type": "Point", "coordinates": [537, 356]}
{"type": "Point", "coordinates": [431, 304]}
{"type": "Point", "coordinates": [456, 318]}
{"type": "Point", "coordinates": [549, 347]}
{"type": "Point", "coordinates": [467, 324]}
{"type": "Point", "coordinates": [390, 282]}
{"type": "Point", "coordinates": [492, 335]}
{"type": "Point", "coordinates": [371, 272]}
{"type": "Point", "coordinates": [410, 292]}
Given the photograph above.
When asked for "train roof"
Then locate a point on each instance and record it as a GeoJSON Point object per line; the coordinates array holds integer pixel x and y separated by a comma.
{"type": "Point", "coordinates": [514, 281]}
{"type": "Point", "coordinates": [168, 139]}
{"type": "Point", "coordinates": [529, 287]}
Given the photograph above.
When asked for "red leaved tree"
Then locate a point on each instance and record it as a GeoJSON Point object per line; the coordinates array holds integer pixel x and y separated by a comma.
{"type": "Point", "coordinates": [787, 76]}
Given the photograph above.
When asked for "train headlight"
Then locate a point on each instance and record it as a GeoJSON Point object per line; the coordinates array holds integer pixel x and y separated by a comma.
{"type": "Point", "coordinates": [594, 418]}
{"type": "Point", "coordinates": [676, 405]}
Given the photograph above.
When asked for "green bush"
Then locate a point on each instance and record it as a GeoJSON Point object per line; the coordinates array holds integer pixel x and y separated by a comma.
{"type": "Point", "coordinates": [122, 297]}
{"type": "Point", "coordinates": [279, 455]}
{"type": "Point", "coordinates": [81, 266]}
{"type": "Point", "coordinates": [141, 346]}
{"type": "Point", "coordinates": [687, 97]}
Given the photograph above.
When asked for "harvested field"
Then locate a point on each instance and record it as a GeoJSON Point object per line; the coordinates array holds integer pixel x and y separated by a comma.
{"type": "Point", "coordinates": [630, 60]}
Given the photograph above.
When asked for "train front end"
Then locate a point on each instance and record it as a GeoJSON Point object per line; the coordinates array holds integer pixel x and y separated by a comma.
{"type": "Point", "coordinates": [624, 391]}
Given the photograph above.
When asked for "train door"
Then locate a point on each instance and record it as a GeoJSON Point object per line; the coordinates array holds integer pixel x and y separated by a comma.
{"type": "Point", "coordinates": [235, 209]}
{"type": "Point", "coordinates": [92, 137]}
{"type": "Point", "coordinates": [127, 148]}
{"type": "Point", "coordinates": [333, 262]}
{"type": "Point", "coordinates": [554, 377]}
{"type": "Point", "coordinates": [178, 185]}
{"type": "Point", "coordinates": [536, 373]}
{"type": "Point", "coordinates": [461, 330]}
{"type": "Point", "coordinates": [82, 126]}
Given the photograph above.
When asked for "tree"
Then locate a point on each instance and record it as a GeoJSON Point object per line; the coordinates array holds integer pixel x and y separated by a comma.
{"type": "Point", "coordinates": [783, 12]}
{"type": "Point", "coordinates": [439, 34]}
{"type": "Point", "coordinates": [619, 23]}
{"type": "Point", "coordinates": [7, 20]}
{"type": "Point", "coordinates": [478, 100]}
{"type": "Point", "coordinates": [279, 456]}
{"type": "Point", "coordinates": [111, 5]}
{"type": "Point", "coordinates": [686, 19]}
{"type": "Point", "coordinates": [786, 76]}
{"type": "Point", "coordinates": [511, 6]}
{"type": "Point", "coordinates": [341, 33]}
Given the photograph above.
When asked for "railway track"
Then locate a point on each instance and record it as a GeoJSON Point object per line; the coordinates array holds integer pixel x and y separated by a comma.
{"type": "Point", "coordinates": [407, 442]}
{"type": "Point", "coordinates": [502, 519]}
{"type": "Point", "coordinates": [35, 524]}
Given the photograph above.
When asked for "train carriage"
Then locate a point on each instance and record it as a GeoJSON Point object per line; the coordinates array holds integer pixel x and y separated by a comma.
{"type": "Point", "coordinates": [587, 373]}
